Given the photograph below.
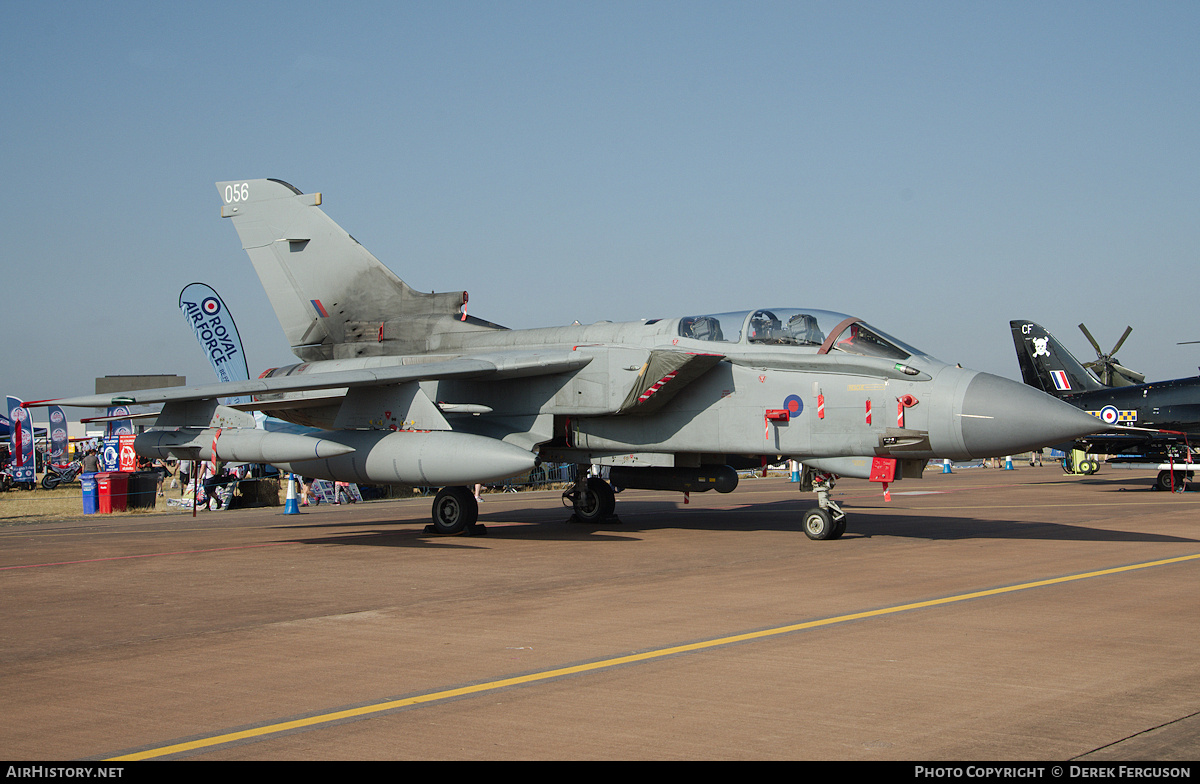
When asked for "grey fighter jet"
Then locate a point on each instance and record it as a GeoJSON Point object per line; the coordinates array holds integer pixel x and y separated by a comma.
{"type": "Point", "coordinates": [409, 389]}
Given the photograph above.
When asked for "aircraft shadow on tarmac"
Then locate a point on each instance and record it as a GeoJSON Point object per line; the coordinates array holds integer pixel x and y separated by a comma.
{"type": "Point", "coordinates": [644, 517]}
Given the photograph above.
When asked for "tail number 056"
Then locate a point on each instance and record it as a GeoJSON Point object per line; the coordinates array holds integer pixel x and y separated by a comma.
{"type": "Point", "coordinates": [236, 193]}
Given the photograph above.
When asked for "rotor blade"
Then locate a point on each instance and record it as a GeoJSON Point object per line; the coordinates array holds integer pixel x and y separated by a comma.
{"type": "Point", "coordinates": [1117, 347]}
{"type": "Point", "coordinates": [1091, 340]}
{"type": "Point", "coordinates": [1132, 375]}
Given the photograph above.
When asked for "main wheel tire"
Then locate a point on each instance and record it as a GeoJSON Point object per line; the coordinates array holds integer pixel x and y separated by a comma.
{"type": "Point", "coordinates": [50, 481]}
{"type": "Point", "coordinates": [597, 501]}
{"type": "Point", "coordinates": [818, 524]}
{"type": "Point", "coordinates": [454, 510]}
{"type": "Point", "coordinates": [1165, 482]}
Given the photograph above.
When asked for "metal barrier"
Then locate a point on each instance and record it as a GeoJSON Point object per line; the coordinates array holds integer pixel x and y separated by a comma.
{"type": "Point", "coordinates": [542, 477]}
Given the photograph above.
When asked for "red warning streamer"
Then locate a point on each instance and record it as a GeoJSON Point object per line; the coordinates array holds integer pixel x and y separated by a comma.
{"type": "Point", "coordinates": [903, 402]}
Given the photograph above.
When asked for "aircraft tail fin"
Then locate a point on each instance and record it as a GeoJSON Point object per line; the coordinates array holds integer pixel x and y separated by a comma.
{"type": "Point", "coordinates": [1046, 364]}
{"type": "Point", "coordinates": [331, 296]}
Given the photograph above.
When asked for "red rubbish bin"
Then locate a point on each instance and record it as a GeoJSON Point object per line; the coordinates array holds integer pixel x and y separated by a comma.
{"type": "Point", "coordinates": [112, 488]}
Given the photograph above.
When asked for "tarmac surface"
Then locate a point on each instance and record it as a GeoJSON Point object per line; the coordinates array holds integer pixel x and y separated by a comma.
{"type": "Point", "coordinates": [980, 615]}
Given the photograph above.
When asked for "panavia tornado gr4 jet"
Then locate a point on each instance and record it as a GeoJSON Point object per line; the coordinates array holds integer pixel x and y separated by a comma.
{"type": "Point", "coordinates": [409, 389]}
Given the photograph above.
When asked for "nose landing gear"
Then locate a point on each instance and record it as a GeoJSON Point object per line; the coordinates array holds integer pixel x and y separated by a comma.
{"type": "Point", "coordinates": [827, 521]}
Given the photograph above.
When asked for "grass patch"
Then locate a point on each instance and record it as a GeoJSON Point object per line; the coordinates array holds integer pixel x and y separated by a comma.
{"type": "Point", "coordinates": [65, 502]}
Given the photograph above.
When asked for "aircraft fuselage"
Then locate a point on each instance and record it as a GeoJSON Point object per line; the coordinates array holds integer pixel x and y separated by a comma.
{"type": "Point", "coordinates": [756, 399]}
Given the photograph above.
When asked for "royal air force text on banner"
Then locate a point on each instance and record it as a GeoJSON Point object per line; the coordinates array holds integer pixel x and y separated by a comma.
{"type": "Point", "coordinates": [217, 333]}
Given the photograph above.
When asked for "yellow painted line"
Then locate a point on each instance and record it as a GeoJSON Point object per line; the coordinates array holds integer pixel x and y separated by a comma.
{"type": "Point", "coordinates": [479, 688]}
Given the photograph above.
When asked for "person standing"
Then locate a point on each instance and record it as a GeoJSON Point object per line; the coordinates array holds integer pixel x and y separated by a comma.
{"type": "Point", "coordinates": [90, 462]}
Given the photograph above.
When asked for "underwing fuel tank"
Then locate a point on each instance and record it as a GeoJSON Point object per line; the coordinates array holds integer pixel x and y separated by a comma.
{"type": "Point", "coordinates": [238, 445]}
{"type": "Point", "coordinates": [408, 457]}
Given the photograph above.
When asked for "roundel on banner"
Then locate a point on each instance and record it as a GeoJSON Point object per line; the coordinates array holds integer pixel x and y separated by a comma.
{"type": "Point", "coordinates": [211, 306]}
{"type": "Point", "coordinates": [56, 417]}
{"type": "Point", "coordinates": [1108, 415]}
{"type": "Point", "coordinates": [794, 405]}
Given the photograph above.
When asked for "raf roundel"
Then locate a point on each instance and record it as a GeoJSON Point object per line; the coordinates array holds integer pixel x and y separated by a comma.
{"type": "Point", "coordinates": [794, 405]}
{"type": "Point", "coordinates": [211, 306]}
{"type": "Point", "coordinates": [1109, 415]}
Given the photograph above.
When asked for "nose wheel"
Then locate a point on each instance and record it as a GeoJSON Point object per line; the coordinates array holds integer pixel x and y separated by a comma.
{"type": "Point", "coordinates": [819, 524]}
{"type": "Point", "coordinates": [827, 521]}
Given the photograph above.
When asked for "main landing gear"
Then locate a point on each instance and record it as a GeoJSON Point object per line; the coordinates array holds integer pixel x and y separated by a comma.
{"type": "Point", "coordinates": [591, 498]}
{"type": "Point", "coordinates": [827, 521]}
{"type": "Point", "coordinates": [455, 511]}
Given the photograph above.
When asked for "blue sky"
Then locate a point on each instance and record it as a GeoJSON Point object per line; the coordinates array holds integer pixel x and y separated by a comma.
{"type": "Point", "coordinates": [936, 168]}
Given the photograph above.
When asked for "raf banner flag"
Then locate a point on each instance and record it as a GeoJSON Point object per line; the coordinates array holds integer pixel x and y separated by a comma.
{"type": "Point", "coordinates": [58, 435]}
{"type": "Point", "coordinates": [20, 441]}
{"type": "Point", "coordinates": [218, 335]}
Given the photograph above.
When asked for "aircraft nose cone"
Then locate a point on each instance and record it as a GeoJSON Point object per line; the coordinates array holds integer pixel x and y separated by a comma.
{"type": "Point", "coordinates": [1001, 417]}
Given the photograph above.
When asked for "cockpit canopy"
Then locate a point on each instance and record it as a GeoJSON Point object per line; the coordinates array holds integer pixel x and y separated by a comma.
{"type": "Point", "coordinates": [821, 330]}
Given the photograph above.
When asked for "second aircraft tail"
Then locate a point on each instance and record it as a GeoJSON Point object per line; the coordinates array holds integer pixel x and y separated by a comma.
{"type": "Point", "coordinates": [1046, 364]}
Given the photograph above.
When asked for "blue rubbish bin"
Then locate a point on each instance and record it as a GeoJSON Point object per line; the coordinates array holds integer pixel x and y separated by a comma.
{"type": "Point", "coordinates": [91, 502]}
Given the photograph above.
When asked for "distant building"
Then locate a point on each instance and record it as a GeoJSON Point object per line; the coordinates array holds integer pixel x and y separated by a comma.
{"type": "Point", "coordinates": [111, 385]}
